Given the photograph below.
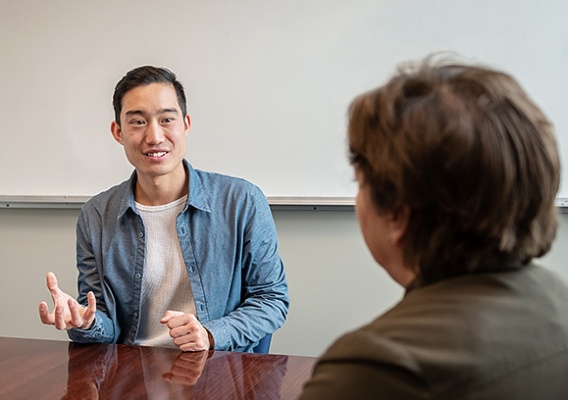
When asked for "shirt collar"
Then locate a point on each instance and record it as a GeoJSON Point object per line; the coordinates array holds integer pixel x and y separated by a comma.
{"type": "Point", "coordinates": [196, 198]}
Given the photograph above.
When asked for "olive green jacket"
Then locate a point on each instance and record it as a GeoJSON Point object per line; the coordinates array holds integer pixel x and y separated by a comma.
{"type": "Point", "coordinates": [499, 335]}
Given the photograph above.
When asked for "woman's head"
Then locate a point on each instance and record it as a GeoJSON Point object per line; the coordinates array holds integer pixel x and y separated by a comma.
{"type": "Point", "coordinates": [470, 156]}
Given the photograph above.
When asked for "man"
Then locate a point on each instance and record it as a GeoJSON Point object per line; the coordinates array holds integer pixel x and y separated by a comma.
{"type": "Point", "coordinates": [173, 256]}
{"type": "Point", "coordinates": [458, 171]}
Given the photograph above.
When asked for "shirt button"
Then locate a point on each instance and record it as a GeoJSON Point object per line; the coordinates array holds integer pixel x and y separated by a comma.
{"type": "Point", "coordinates": [192, 268]}
{"type": "Point", "coordinates": [135, 315]}
{"type": "Point", "coordinates": [138, 276]}
{"type": "Point", "coordinates": [140, 234]}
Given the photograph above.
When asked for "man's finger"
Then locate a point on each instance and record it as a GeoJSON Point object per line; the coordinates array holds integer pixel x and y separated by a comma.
{"type": "Point", "coordinates": [74, 310]}
{"type": "Point", "coordinates": [44, 314]}
{"type": "Point", "coordinates": [53, 287]}
{"type": "Point", "coordinates": [60, 317]}
{"type": "Point", "coordinates": [92, 305]}
{"type": "Point", "coordinates": [89, 315]}
{"type": "Point", "coordinates": [51, 280]}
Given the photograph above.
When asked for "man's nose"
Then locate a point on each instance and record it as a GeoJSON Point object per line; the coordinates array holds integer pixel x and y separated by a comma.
{"type": "Point", "coordinates": [154, 133]}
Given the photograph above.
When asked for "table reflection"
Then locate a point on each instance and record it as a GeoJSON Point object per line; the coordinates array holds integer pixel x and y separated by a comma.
{"type": "Point", "coordinates": [133, 372]}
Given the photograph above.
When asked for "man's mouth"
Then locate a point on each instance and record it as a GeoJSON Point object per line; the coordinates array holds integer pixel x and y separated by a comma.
{"type": "Point", "coordinates": [156, 154]}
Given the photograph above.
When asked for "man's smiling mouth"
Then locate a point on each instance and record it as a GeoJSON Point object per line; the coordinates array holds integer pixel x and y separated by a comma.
{"type": "Point", "coordinates": [157, 154]}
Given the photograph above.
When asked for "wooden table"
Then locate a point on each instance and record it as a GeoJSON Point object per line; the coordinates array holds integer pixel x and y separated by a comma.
{"type": "Point", "coordinates": [51, 369]}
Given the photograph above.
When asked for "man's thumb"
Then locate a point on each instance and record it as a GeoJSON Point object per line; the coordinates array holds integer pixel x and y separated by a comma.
{"type": "Point", "coordinates": [169, 314]}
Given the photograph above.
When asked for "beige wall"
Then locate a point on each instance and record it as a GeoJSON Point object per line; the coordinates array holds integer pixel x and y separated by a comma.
{"type": "Point", "coordinates": [334, 284]}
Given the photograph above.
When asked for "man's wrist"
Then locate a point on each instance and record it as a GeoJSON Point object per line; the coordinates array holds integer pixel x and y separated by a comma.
{"type": "Point", "coordinates": [211, 340]}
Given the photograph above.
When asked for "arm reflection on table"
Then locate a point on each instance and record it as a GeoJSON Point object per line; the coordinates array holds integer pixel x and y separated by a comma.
{"type": "Point", "coordinates": [187, 368]}
{"type": "Point", "coordinates": [120, 371]}
{"type": "Point", "coordinates": [89, 366]}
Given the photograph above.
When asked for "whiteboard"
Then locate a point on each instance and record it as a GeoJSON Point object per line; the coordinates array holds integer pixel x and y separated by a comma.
{"type": "Point", "coordinates": [268, 82]}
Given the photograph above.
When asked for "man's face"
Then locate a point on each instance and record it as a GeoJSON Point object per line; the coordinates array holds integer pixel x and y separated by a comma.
{"type": "Point", "coordinates": [152, 130]}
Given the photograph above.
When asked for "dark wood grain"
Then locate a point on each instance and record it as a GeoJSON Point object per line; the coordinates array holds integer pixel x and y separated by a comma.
{"type": "Point", "coordinates": [48, 369]}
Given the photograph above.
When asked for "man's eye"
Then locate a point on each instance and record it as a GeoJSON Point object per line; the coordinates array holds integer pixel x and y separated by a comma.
{"type": "Point", "coordinates": [168, 120]}
{"type": "Point", "coordinates": [137, 122]}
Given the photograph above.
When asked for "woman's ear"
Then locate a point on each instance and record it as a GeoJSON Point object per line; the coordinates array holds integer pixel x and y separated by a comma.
{"type": "Point", "coordinates": [398, 224]}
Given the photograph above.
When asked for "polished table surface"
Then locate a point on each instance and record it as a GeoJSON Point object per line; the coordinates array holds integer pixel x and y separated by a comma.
{"type": "Point", "coordinates": [51, 369]}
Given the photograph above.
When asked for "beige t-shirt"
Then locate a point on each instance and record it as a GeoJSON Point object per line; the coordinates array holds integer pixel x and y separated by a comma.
{"type": "Point", "coordinates": [165, 283]}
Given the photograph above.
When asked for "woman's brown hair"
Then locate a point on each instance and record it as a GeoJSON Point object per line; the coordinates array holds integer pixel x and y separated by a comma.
{"type": "Point", "coordinates": [471, 156]}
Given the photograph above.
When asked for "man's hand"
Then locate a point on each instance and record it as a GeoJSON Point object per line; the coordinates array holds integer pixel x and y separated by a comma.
{"type": "Point", "coordinates": [67, 313]}
{"type": "Point", "coordinates": [187, 368]}
{"type": "Point", "coordinates": [187, 331]}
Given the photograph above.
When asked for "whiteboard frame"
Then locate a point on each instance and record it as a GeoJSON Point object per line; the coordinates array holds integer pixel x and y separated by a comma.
{"type": "Point", "coordinates": [276, 203]}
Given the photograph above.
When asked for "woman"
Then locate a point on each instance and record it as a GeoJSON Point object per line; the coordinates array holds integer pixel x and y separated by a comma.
{"type": "Point", "coordinates": [458, 170]}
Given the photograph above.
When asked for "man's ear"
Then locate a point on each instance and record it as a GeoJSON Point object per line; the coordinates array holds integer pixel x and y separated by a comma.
{"type": "Point", "coordinates": [187, 123]}
{"type": "Point", "coordinates": [398, 224]}
{"type": "Point", "coordinates": [116, 131]}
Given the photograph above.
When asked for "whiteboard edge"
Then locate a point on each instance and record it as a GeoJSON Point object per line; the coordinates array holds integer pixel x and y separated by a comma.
{"type": "Point", "coordinates": [276, 203]}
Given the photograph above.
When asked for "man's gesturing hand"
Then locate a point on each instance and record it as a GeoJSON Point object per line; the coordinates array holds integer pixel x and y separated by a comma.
{"type": "Point", "coordinates": [67, 313]}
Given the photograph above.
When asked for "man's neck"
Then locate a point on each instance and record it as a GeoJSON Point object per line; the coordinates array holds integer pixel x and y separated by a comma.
{"type": "Point", "coordinates": [162, 189]}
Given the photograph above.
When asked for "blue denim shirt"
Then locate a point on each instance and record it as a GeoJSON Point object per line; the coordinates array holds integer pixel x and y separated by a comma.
{"type": "Point", "coordinates": [229, 244]}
